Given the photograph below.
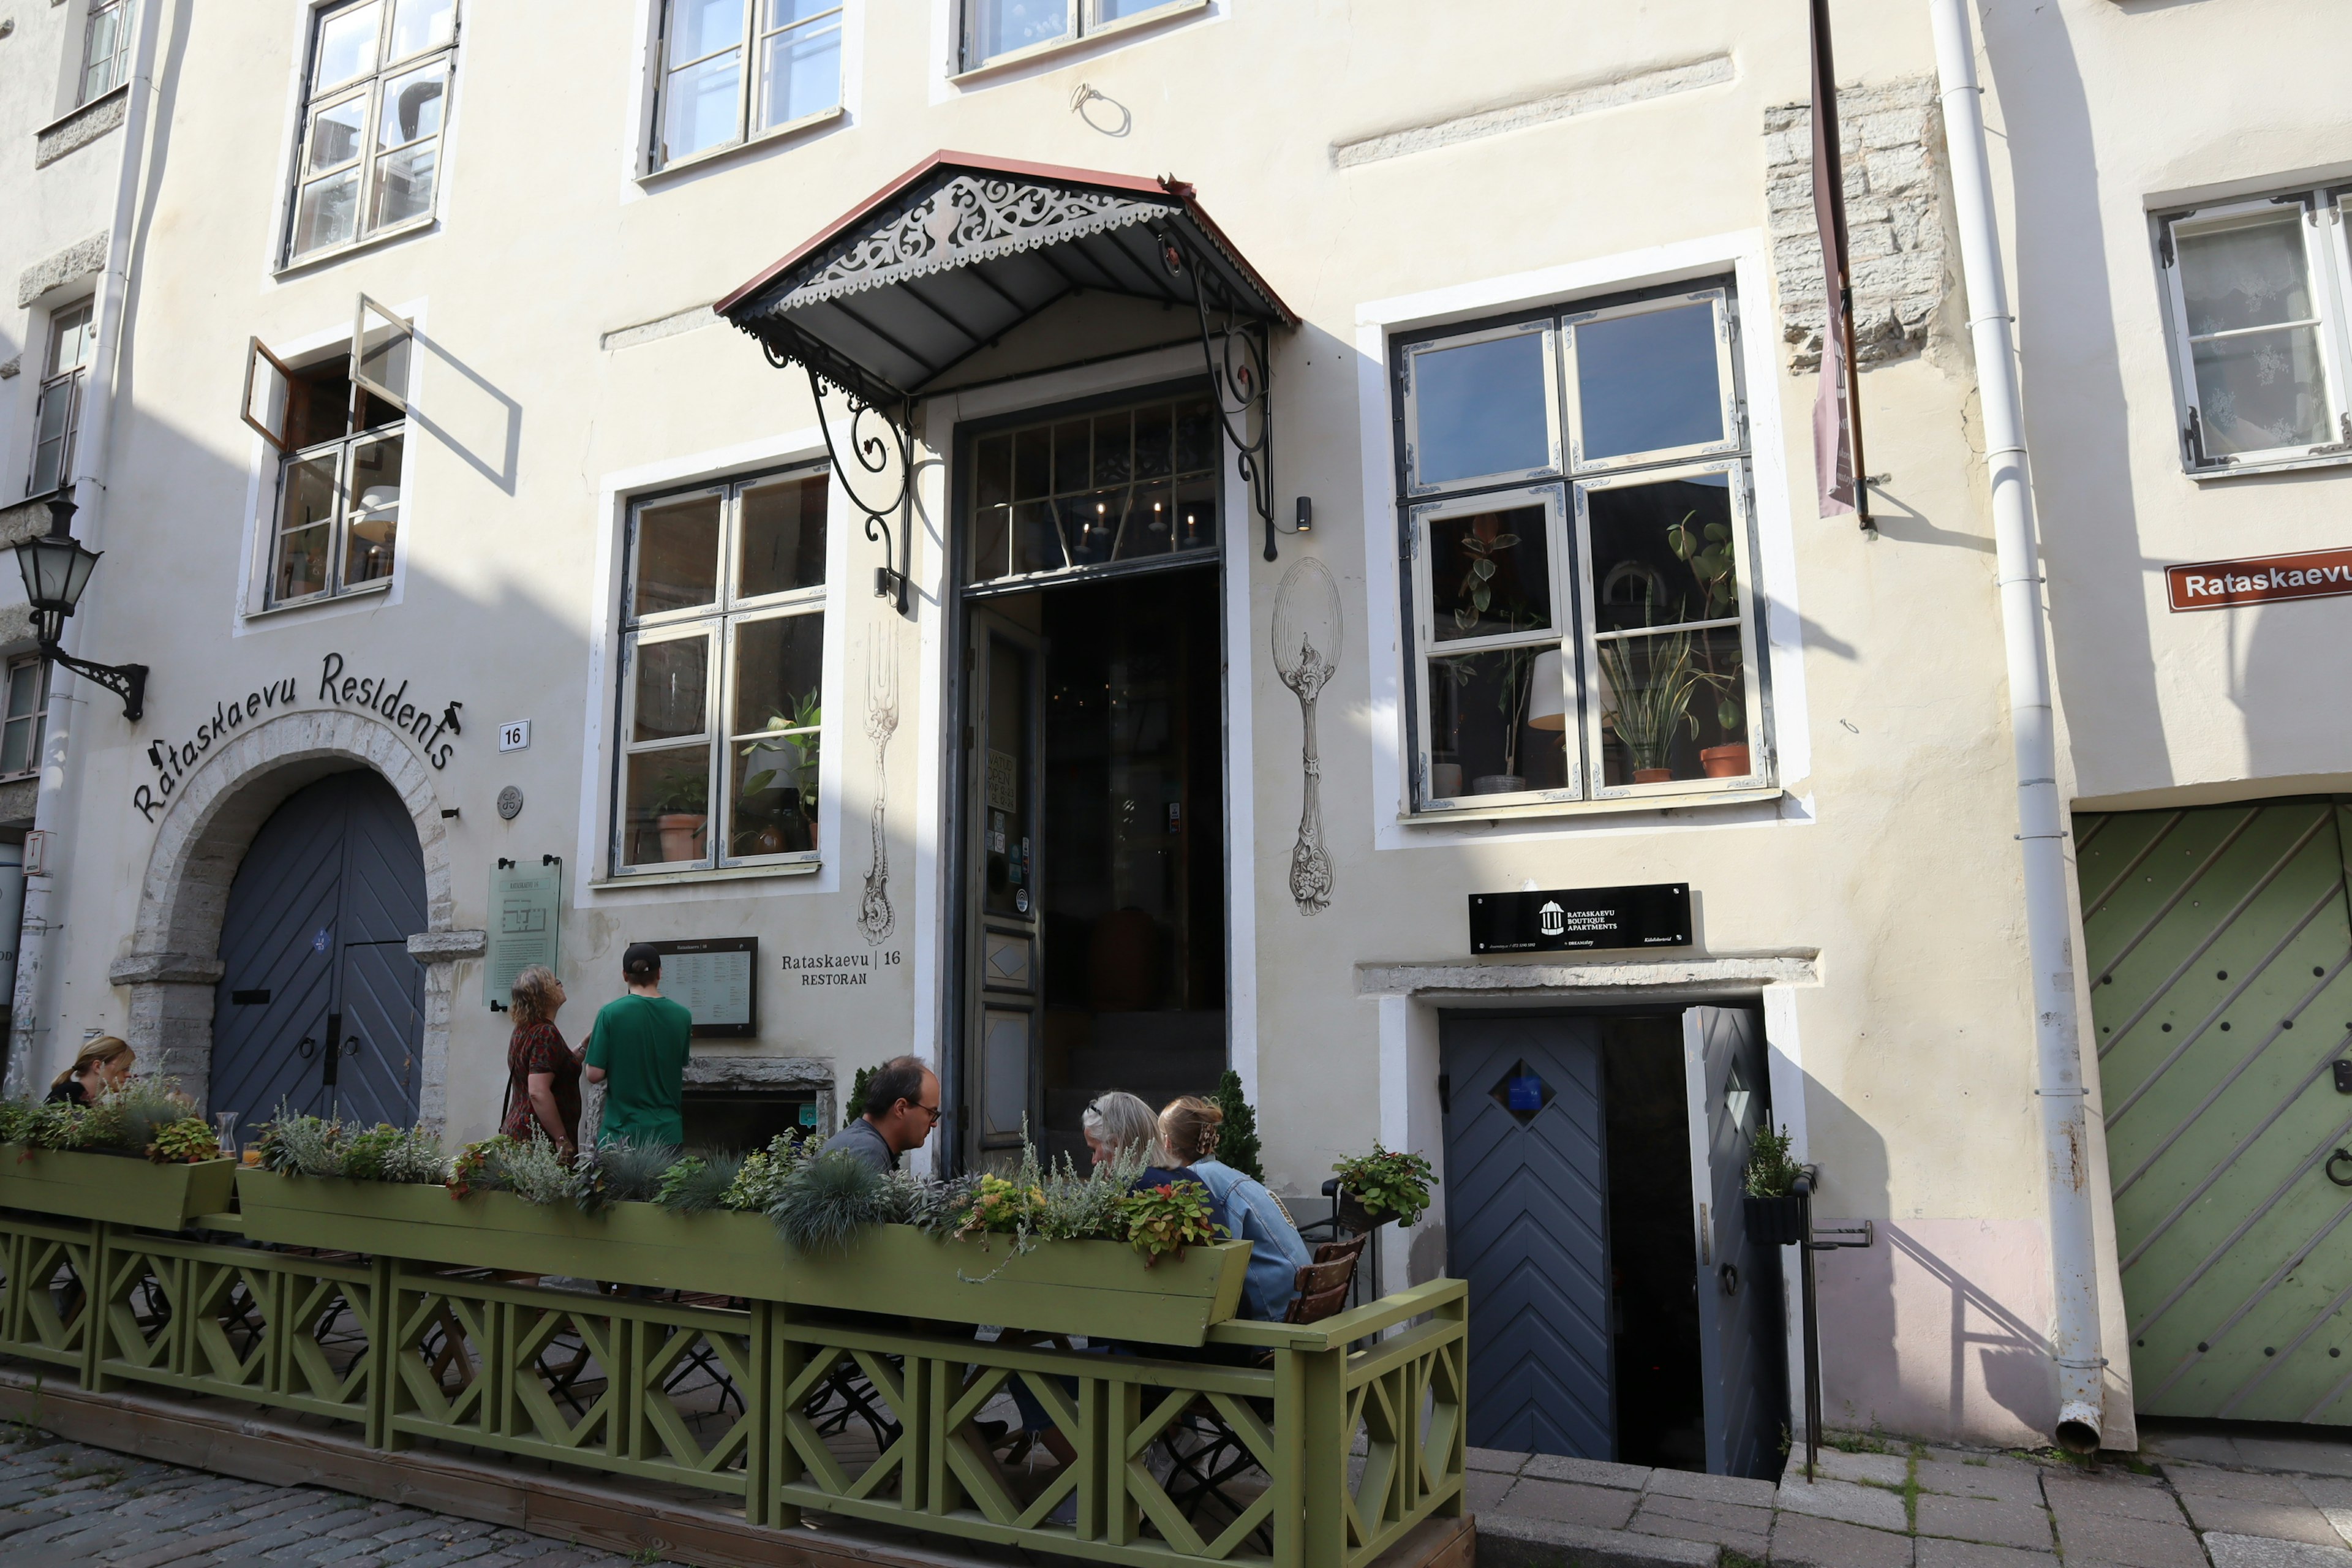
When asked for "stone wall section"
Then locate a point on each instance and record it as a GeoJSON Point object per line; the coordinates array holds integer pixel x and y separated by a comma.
{"type": "Point", "coordinates": [1897, 219]}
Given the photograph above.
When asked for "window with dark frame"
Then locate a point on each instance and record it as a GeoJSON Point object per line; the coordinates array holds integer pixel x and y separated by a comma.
{"type": "Point", "coordinates": [2260, 293]}
{"type": "Point", "coordinates": [1129, 484]}
{"type": "Point", "coordinates": [375, 94]}
{"type": "Point", "coordinates": [734, 70]}
{"type": "Point", "coordinates": [1575, 519]}
{"type": "Point", "coordinates": [722, 674]}
{"type": "Point", "coordinates": [340, 429]}
{"type": "Point", "coordinates": [27, 700]}
{"type": "Point", "coordinates": [57, 408]}
{"type": "Point", "coordinates": [996, 28]}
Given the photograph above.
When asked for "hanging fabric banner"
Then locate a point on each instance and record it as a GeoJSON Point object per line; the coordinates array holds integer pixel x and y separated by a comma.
{"type": "Point", "coordinates": [1837, 423]}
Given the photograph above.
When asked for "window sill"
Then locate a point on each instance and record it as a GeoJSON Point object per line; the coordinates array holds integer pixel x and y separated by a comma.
{"type": "Point", "coordinates": [999, 65]}
{"type": "Point", "coordinates": [791, 130]}
{"type": "Point", "coordinates": [2269, 466]}
{"type": "Point", "coordinates": [720, 873]}
{"type": "Point", "coordinates": [318, 258]}
{"type": "Point", "coordinates": [80, 126]}
{"type": "Point", "coordinates": [323, 602]}
{"type": "Point", "coordinates": [1618, 806]}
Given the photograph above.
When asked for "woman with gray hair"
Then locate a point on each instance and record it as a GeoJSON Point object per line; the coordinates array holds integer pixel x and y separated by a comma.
{"type": "Point", "coordinates": [1115, 1123]}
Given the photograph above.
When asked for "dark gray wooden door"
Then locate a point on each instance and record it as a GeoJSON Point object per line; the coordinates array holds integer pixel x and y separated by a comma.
{"type": "Point", "coordinates": [320, 1007]}
{"type": "Point", "coordinates": [1742, 1330]}
{"type": "Point", "coordinates": [1526, 1215]}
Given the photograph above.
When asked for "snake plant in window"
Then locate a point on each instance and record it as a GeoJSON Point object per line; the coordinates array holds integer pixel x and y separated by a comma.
{"type": "Point", "coordinates": [1649, 696]}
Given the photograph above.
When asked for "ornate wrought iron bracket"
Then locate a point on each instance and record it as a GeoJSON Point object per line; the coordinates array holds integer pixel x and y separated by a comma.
{"type": "Point", "coordinates": [128, 681]}
{"type": "Point", "coordinates": [1241, 373]}
{"type": "Point", "coordinates": [881, 446]}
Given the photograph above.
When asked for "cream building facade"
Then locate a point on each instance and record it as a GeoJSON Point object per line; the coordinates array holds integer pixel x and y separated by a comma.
{"type": "Point", "coordinates": [498, 589]}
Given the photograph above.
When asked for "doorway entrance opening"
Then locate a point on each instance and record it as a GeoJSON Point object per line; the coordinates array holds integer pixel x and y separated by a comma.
{"type": "Point", "coordinates": [319, 1005]}
{"type": "Point", "coordinates": [1593, 1176]}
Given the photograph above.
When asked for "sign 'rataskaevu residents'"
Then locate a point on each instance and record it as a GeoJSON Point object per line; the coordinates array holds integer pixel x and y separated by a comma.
{"type": "Point", "coordinates": [2260, 579]}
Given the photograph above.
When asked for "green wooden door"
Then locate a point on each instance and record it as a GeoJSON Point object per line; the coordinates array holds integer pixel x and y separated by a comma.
{"type": "Point", "coordinates": [2217, 940]}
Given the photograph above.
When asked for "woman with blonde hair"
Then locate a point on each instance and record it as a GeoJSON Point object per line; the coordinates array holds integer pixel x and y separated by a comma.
{"type": "Point", "coordinates": [543, 1072]}
{"type": "Point", "coordinates": [1188, 1136]}
{"type": "Point", "coordinates": [101, 1065]}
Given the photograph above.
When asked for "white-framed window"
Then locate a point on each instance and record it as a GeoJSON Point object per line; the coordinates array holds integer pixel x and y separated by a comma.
{"type": "Point", "coordinates": [23, 706]}
{"type": "Point", "coordinates": [56, 409]}
{"type": "Point", "coordinates": [376, 93]}
{"type": "Point", "coordinates": [994, 29]}
{"type": "Point", "coordinates": [722, 674]}
{"type": "Point", "coordinates": [710, 97]}
{"type": "Point", "coordinates": [340, 429]}
{"type": "Point", "coordinates": [1578, 524]}
{"type": "Point", "coordinates": [106, 48]}
{"type": "Point", "coordinates": [2261, 299]}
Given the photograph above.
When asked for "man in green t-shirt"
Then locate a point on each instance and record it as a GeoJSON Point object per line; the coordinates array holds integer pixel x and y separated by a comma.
{"type": "Point", "coordinates": [636, 1049]}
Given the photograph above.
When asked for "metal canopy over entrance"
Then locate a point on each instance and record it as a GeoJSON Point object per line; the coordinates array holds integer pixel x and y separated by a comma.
{"type": "Point", "coordinates": [950, 257]}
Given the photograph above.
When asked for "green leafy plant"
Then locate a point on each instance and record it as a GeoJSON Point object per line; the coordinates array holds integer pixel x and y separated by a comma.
{"type": "Point", "coordinates": [699, 1184]}
{"type": "Point", "coordinates": [685, 794]}
{"type": "Point", "coordinates": [533, 1170]}
{"type": "Point", "coordinates": [294, 1145]}
{"type": "Point", "coordinates": [1709, 552]}
{"type": "Point", "coordinates": [388, 1153]}
{"type": "Point", "coordinates": [16, 1116]}
{"type": "Point", "coordinates": [759, 1180]}
{"type": "Point", "coordinates": [1162, 1221]}
{"type": "Point", "coordinates": [1087, 1208]}
{"type": "Point", "coordinates": [1388, 1184]}
{"type": "Point", "coordinates": [1237, 1142]}
{"type": "Point", "coordinates": [1649, 695]}
{"type": "Point", "coordinates": [475, 1166]}
{"type": "Point", "coordinates": [807, 715]}
{"type": "Point", "coordinates": [57, 1125]}
{"type": "Point", "coordinates": [1003, 1206]}
{"type": "Point", "coordinates": [827, 1201]}
{"type": "Point", "coordinates": [1771, 1173]}
{"type": "Point", "coordinates": [1484, 543]}
{"type": "Point", "coordinates": [126, 1120]}
{"type": "Point", "coordinates": [858, 1083]}
{"type": "Point", "coordinates": [620, 1172]}
{"type": "Point", "coordinates": [937, 1208]}
{"type": "Point", "coordinates": [184, 1141]}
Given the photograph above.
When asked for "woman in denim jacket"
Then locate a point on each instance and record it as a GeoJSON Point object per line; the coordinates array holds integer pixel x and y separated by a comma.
{"type": "Point", "coordinates": [1188, 1132]}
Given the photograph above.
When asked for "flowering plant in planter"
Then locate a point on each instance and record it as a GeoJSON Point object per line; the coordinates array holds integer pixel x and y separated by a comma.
{"type": "Point", "coordinates": [1388, 1184]}
{"type": "Point", "coordinates": [147, 1118]}
{"type": "Point", "coordinates": [1162, 1221]}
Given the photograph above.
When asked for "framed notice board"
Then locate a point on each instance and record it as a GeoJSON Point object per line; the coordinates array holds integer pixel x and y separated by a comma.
{"type": "Point", "coordinates": [1567, 919]}
{"type": "Point", "coordinates": [526, 925]}
{"type": "Point", "coordinates": [717, 979]}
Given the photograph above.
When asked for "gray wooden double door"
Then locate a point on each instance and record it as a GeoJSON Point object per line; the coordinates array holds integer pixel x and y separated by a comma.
{"type": "Point", "coordinates": [1527, 1205]}
{"type": "Point", "coordinates": [319, 1005]}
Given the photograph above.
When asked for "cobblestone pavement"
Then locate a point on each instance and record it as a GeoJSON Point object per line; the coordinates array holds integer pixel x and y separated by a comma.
{"type": "Point", "coordinates": [61, 1503]}
{"type": "Point", "coordinates": [2189, 1503]}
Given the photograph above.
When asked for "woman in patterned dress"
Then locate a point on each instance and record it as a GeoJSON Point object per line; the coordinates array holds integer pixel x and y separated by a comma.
{"type": "Point", "coordinates": [543, 1072]}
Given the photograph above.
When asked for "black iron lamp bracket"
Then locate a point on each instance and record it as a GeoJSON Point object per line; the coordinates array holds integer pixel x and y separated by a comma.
{"type": "Point", "coordinates": [881, 452]}
{"type": "Point", "coordinates": [1238, 354]}
{"type": "Point", "coordinates": [128, 681]}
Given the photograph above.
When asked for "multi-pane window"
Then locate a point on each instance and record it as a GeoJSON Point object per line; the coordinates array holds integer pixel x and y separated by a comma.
{"type": "Point", "coordinates": [993, 28]}
{"type": "Point", "coordinates": [1132, 484]}
{"type": "Point", "coordinates": [710, 97]}
{"type": "Point", "coordinates": [57, 413]}
{"type": "Point", "coordinates": [722, 675]}
{"type": "Point", "coordinates": [25, 699]}
{"type": "Point", "coordinates": [106, 46]}
{"type": "Point", "coordinates": [371, 153]}
{"type": "Point", "coordinates": [1576, 521]}
{"type": "Point", "coordinates": [2261, 317]}
{"type": "Point", "coordinates": [341, 427]}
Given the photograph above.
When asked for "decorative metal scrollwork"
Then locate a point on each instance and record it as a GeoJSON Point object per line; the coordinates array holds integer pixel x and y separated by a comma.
{"type": "Point", "coordinates": [1241, 372]}
{"type": "Point", "coordinates": [882, 449]}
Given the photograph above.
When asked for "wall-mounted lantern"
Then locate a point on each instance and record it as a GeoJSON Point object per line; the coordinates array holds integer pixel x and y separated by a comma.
{"type": "Point", "coordinates": [57, 568]}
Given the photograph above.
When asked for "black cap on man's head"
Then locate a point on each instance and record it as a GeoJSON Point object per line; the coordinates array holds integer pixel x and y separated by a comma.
{"type": "Point", "coordinates": [641, 963]}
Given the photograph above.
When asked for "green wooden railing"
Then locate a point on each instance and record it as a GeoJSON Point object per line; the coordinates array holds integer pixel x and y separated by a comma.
{"type": "Point", "coordinates": [1355, 1438]}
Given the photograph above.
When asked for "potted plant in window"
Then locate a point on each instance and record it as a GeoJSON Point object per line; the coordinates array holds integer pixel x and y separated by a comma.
{"type": "Point", "coordinates": [1648, 697]}
{"type": "Point", "coordinates": [1708, 550]}
{"type": "Point", "coordinates": [1486, 546]}
{"type": "Point", "coordinates": [779, 780]}
{"type": "Point", "coordinates": [681, 814]}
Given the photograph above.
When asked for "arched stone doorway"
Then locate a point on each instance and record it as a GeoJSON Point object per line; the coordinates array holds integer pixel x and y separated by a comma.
{"type": "Point", "coordinates": [173, 964]}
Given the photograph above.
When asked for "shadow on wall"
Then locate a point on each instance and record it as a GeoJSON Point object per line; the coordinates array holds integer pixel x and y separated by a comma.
{"type": "Point", "coordinates": [1936, 1329]}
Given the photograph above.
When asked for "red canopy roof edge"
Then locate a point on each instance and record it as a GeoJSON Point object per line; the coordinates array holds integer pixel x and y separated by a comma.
{"type": "Point", "coordinates": [981, 163]}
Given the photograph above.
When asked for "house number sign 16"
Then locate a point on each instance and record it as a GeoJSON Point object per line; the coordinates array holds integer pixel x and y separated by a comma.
{"type": "Point", "coordinates": [514, 737]}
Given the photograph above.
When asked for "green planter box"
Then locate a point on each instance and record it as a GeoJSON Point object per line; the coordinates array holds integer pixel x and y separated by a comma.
{"type": "Point", "coordinates": [118, 1187]}
{"type": "Point", "coordinates": [1092, 1288]}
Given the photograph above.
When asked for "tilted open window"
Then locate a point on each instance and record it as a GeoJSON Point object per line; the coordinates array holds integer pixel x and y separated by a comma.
{"type": "Point", "coordinates": [339, 426]}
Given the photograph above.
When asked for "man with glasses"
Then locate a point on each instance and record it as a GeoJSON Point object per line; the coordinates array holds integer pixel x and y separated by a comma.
{"type": "Point", "coordinates": [902, 1106]}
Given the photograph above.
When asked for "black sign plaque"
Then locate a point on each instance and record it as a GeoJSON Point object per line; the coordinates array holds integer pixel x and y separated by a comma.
{"type": "Point", "coordinates": [1561, 919]}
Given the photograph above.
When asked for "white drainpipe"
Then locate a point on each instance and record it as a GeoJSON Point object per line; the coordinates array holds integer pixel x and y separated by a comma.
{"type": "Point", "coordinates": [51, 812]}
{"type": "Point", "coordinates": [2041, 821]}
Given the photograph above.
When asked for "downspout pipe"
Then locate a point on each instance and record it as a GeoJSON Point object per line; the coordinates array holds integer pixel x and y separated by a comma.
{"type": "Point", "coordinates": [2075, 1336]}
{"type": "Point", "coordinates": [51, 810]}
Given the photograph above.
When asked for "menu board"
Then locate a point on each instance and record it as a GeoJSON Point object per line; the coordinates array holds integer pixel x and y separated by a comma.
{"type": "Point", "coordinates": [526, 925]}
{"type": "Point", "coordinates": [717, 979]}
